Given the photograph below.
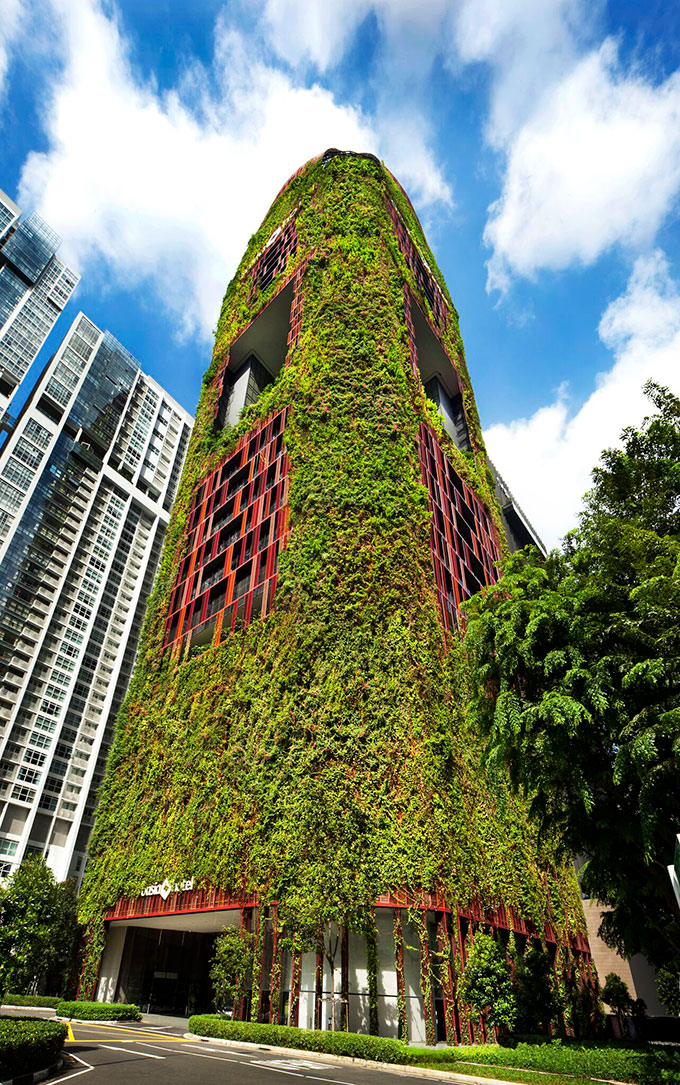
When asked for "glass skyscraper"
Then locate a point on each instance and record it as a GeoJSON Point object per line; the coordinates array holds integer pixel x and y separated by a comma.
{"type": "Point", "coordinates": [87, 479]}
{"type": "Point", "coordinates": [34, 288]}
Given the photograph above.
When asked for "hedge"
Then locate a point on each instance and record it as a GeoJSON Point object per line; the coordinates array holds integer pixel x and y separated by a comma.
{"type": "Point", "coordinates": [643, 1063]}
{"type": "Point", "coordinates": [28, 1044]}
{"type": "Point", "coordinates": [49, 1001]}
{"type": "Point", "coordinates": [351, 1044]}
{"type": "Point", "coordinates": [99, 1011]}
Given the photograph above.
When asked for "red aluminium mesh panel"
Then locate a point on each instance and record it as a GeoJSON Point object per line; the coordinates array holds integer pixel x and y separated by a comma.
{"type": "Point", "coordinates": [274, 258]}
{"type": "Point", "coordinates": [237, 526]}
{"type": "Point", "coordinates": [421, 272]}
{"type": "Point", "coordinates": [462, 536]}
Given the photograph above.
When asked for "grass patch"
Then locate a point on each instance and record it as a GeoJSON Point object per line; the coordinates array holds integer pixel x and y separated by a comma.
{"type": "Point", "coordinates": [641, 1064]}
{"type": "Point", "coordinates": [523, 1077]}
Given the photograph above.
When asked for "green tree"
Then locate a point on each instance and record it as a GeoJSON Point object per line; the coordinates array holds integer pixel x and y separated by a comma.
{"type": "Point", "coordinates": [38, 927]}
{"type": "Point", "coordinates": [231, 965]}
{"type": "Point", "coordinates": [538, 1001]}
{"type": "Point", "coordinates": [576, 669]}
{"type": "Point", "coordinates": [617, 996]}
{"type": "Point", "coordinates": [668, 990]}
{"type": "Point", "coordinates": [486, 985]}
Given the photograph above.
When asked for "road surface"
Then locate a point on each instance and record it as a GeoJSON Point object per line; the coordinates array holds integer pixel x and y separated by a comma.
{"type": "Point", "coordinates": [123, 1055]}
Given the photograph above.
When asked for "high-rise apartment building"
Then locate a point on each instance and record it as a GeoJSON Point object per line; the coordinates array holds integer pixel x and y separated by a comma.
{"type": "Point", "coordinates": [87, 478]}
{"type": "Point", "coordinates": [295, 758]}
{"type": "Point", "coordinates": [34, 288]}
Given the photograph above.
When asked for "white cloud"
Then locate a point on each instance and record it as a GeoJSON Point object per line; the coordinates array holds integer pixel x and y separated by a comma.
{"type": "Point", "coordinates": [529, 45]}
{"type": "Point", "coordinates": [159, 192]}
{"type": "Point", "coordinates": [547, 459]}
{"type": "Point", "coordinates": [597, 164]}
{"type": "Point", "coordinates": [11, 12]}
{"type": "Point", "coordinates": [411, 35]}
{"type": "Point", "coordinates": [589, 150]}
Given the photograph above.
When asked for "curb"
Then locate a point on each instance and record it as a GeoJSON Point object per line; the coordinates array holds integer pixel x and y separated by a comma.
{"type": "Point", "coordinates": [344, 1060]}
{"type": "Point", "coordinates": [36, 1076]}
{"type": "Point", "coordinates": [35, 1009]}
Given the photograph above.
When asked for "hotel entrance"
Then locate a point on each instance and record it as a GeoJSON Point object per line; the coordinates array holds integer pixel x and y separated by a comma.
{"type": "Point", "coordinates": [166, 971]}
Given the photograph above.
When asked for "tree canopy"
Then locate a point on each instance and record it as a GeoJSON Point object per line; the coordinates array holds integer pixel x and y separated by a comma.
{"type": "Point", "coordinates": [38, 927]}
{"type": "Point", "coordinates": [486, 985]}
{"type": "Point", "coordinates": [575, 662]}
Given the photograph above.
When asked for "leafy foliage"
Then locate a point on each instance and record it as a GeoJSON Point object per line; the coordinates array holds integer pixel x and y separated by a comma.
{"type": "Point", "coordinates": [231, 964]}
{"type": "Point", "coordinates": [538, 1000]}
{"type": "Point", "coordinates": [99, 1011]}
{"type": "Point", "coordinates": [486, 985]}
{"type": "Point", "coordinates": [576, 662]}
{"type": "Point", "coordinates": [332, 734]}
{"type": "Point", "coordinates": [27, 1044]}
{"type": "Point", "coordinates": [38, 926]}
{"type": "Point", "coordinates": [668, 990]}
{"type": "Point", "coordinates": [49, 1001]}
{"type": "Point", "coordinates": [616, 994]}
{"type": "Point", "coordinates": [642, 1064]}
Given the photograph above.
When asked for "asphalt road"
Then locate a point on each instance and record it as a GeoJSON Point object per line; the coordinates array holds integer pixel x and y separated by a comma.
{"type": "Point", "coordinates": [124, 1055]}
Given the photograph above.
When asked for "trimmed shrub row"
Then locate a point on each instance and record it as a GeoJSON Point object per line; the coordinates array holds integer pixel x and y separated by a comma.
{"type": "Point", "coordinates": [644, 1064]}
{"type": "Point", "coordinates": [99, 1011]}
{"type": "Point", "coordinates": [28, 1044]}
{"type": "Point", "coordinates": [50, 1001]}
{"type": "Point", "coordinates": [351, 1044]}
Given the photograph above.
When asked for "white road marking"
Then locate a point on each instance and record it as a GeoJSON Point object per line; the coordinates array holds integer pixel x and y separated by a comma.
{"type": "Point", "coordinates": [274, 1069]}
{"type": "Point", "coordinates": [215, 1058]}
{"type": "Point", "coordinates": [78, 1072]}
{"type": "Point", "coordinates": [144, 1054]}
{"type": "Point", "coordinates": [159, 1047]}
{"type": "Point", "coordinates": [333, 1080]}
{"type": "Point", "coordinates": [295, 1064]}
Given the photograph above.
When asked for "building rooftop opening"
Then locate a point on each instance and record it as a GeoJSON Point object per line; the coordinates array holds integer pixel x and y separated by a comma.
{"type": "Point", "coordinates": [440, 379]}
{"type": "Point", "coordinates": [255, 359]}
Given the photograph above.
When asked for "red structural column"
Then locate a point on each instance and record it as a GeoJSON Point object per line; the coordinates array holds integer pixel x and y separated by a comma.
{"type": "Point", "coordinates": [295, 985]}
{"type": "Point", "coordinates": [344, 980]}
{"type": "Point", "coordinates": [466, 1029]}
{"type": "Point", "coordinates": [258, 966]}
{"type": "Point", "coordinates": [446, 976]}
{"type": "Point", "coordinates": [401, 984]}
{"type": "Point", "coordinates": [426, 981]}
{"type": "Point", "coordinates": [275, 975]}
{"type": "Point", "coordinates": [246, 923]}
{"type": "Point", "coordinates": [372, 975]}
{"type": "Point", "coordinates": [318, 984]}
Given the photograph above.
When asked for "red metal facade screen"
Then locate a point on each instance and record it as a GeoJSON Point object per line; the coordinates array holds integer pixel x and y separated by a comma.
{"type": "Point", "coordinates": [462, 537]}
{"type": "Point", "coordinates": [423, 276]}
{"type": "Point", "coordinates": [274, 258]}
{"type": "Point", "coordinates": [237, 527]}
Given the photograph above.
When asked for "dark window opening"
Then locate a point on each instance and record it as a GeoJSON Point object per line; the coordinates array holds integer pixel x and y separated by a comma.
{"type": "Point", "coordinates": [255, 359]}
{"type": "Point", "coordinates": [440, 379]}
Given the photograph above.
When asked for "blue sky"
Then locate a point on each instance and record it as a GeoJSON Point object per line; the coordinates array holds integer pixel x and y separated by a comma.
{"type": "Point", "coordinates": [538, 139]}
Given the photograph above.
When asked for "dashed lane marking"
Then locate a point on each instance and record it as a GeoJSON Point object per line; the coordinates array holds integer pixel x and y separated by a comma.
{"type": "Point", "coordinates": [332, 1080]}
{"type": "Point", "coordinates": [142, 1054]}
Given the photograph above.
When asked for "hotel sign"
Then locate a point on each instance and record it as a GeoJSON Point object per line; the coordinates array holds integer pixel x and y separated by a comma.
{"type": "Point", "coordinates": [164, 889]}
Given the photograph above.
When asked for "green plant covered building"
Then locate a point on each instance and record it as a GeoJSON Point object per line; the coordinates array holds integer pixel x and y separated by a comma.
{"type": "Point", "coordinates": [293, 757]}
